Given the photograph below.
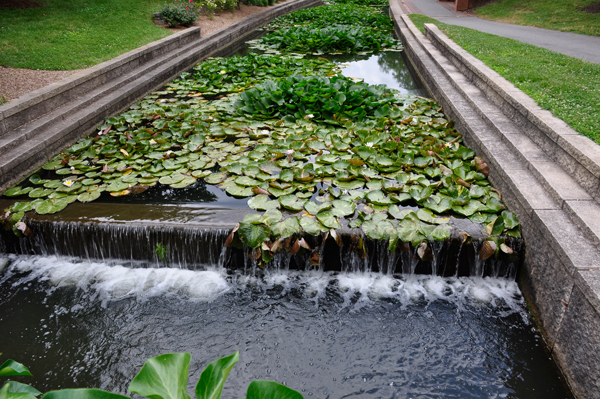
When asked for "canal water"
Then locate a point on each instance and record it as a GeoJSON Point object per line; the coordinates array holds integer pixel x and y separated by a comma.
{"type": "Point", "coordinates": [76, 323]}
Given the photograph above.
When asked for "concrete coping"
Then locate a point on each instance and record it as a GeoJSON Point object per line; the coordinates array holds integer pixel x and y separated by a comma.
{"type": "Point", "coordinates": [37, 96]}
{"type": "Point", "coordinates": [581, 148]}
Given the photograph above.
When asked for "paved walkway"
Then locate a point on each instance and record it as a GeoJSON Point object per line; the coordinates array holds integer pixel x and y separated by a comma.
{"type": "Point", "coordinates": [572, 44]}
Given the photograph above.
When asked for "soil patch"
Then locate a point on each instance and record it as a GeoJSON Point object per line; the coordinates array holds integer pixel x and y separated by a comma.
{"type": "Point", "coordinates": [21, 4]}
{"type": "Point", "coordinates": [593, 8]}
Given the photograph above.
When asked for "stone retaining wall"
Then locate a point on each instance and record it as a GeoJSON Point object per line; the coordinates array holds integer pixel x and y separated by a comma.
{"type": "Point", "coordinates": [548, 175]}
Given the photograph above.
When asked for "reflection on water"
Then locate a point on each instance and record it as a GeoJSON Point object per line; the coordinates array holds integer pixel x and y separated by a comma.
{"type": "Point", "coordinates": [387, 68]}
{"type": "Point", "coordinates": [199, 192]}
{"type": "Point", "coordinates": [328, 335]}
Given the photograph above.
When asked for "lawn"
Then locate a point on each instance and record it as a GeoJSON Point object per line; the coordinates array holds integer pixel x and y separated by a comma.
{"type": "Point", "coordinates": [563, 15]}
{"type": "Point", "coordinates": [566, 86]}
{"type": "Point", "coordinates": [72, 34]}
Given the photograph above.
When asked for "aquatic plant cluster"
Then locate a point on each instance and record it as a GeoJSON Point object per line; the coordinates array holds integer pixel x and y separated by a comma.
{"type": "Point", "coordinates": [313, 150]}
{"type": "Point", "coordinates": [330, 29]}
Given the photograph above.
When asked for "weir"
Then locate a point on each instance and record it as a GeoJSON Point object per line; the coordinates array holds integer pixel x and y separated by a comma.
{"type": "Point", "coordinates": [176, 252]}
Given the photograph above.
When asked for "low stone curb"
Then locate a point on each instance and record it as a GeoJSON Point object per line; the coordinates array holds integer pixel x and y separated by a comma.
{"type": "Point", "coordinates": [548, 175]}
{"type": "Point", "coordinates": [36, 126]}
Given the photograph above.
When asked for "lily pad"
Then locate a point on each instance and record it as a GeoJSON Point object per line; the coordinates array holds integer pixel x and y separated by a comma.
{"type": "Point", "coordinates": [253, 235]}
{"type": "Point", "coordinates": [327, 218]}
{"type": "Point", "coordinates": [292, 202]}
{"type": "Point", "coordinates": [349, 185]}
{"type": "Point", "coordinates": [286, 228]}
{"type": "Point", "coordinates": [88, 196]}
{"type": "Point", "coordinates": [239, 191]}
{"type": "Point", "coordinates": [343, 208]}
{"type": "Point", "coordinates": [216, 178]}
{"type": "Point", "coordinates": [312, 226]}
{"type": "Point", "coordinates": [262, 202]}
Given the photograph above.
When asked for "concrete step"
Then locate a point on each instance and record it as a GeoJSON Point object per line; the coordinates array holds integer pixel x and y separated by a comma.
{"type": "Point", "coordinates": [554, 179]}
{"type": "Point", "coordinates": [576, 154]}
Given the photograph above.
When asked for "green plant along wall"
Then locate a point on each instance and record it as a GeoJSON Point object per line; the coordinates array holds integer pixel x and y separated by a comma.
{"type": "Point", "coordinates": [313, 150]}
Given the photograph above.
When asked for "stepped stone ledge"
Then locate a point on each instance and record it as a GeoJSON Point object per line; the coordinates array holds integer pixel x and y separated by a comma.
{"type": "Point", "coordinates": [549, 175]}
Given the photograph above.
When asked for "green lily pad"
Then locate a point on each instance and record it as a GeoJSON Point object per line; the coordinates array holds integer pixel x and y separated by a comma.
{"type": "Point", "coordinates": [53, 184]}
{"type": "Point", "coordinates": [327, 218]}
{"type": "Point", "coordinates": [253, 235]}
{"type": "Point", "coordinates": [286, 228]}
{"type": "Point", "coordinates": [187, 181]}
{"type": "Point", "coordinates": [216, 178]}
{"type": "Point", "coordinates": [239, 191]}
{"type": "Point", "coordinates": [117, 187]}
{"type": "Point", "coordinates": [40, 192]}
{"type": "Point", "coordinates": [276, 192]}
{"type": "Point", "coordinates": [271, 216]}
{"type": "Point", "coordinates": [89, 196]}
{"type": "Point", "coordinates": [262, 202]}
{"type": "Point", "coordinates": [286, 175]}
{"type": "Point", "coordinates": [13, 192]}
{"type": "Point", "coordinates": [312, 226]}
{"type": "Point", "coordinates": [349, 185]}
{"type": "Point", "coordinates": [90, 182]}
{"type": "Point", "coordinates": [246, 181]}
{"type": "Point", "coordinates": [342, 208]}
{"type": "Point", "coordinates": [441, 233]}
{"type": "Point", "coordinates": [378, 198]}
{"type": "Point", "coordinates": [510, 220]}
{"type": "Point", "coordinates": [292, 202]}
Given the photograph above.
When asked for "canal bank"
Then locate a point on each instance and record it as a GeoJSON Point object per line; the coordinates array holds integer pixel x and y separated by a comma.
{"type": "Point", "coordinates": [548, 175]}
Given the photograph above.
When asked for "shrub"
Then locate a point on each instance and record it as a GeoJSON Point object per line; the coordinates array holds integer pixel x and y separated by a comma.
{"type": "Point", "coordinates": [180, 12]}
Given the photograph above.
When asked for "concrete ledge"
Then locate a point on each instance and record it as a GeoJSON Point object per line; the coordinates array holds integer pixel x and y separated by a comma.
{"type": "Point", "coordinates": [548, 175]}
{"type": "Point", "coordinates": [36, 126]}
{"type": "Point", "coordinates": [563, 145]}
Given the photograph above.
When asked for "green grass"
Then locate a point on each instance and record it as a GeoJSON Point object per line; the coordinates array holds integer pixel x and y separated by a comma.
{"type": "Point", "coordinates": [563, 15]}
{"type": "Point", "coordinates": [73, 34]}
{"type": "Point", "coordinates": [566, 86]}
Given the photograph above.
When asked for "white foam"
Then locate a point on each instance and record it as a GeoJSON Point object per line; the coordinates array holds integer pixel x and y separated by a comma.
{"type": "Point", "coordinates": [117, 282]}
{"type": "Point", "coordinates": [112, 281]}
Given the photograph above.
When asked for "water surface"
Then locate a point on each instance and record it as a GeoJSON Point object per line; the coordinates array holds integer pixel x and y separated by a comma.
{"type": "Point", "coordinates": [328, 335]}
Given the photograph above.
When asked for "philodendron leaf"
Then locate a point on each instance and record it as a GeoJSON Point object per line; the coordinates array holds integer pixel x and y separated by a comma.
{"type": "Point", "coordinates": [213, 377]}
{"type": "Point", "coordinates": [163, 377]}
{"type": "Point", "coordinates": [24, 389]}
{"type": "Point", "coordinates": [10, 367]}
{"type": "Point", "coordinates": [82, 394]}
{"type": "Point", "coordinates": [261, 389]}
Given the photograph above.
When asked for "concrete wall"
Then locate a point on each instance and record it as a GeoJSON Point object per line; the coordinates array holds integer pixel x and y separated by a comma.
{"type": "Point", "coordinates": [548, 175]}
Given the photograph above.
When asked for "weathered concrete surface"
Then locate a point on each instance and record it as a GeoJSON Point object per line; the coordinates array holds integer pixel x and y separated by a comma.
{"type": "Point", "coordinates": [38, 125]}
{"type": "Point", "coordinates": [549, 176]}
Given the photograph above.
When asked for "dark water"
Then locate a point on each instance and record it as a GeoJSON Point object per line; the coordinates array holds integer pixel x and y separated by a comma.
{"type": "Point", "coordinates": [327, 335]}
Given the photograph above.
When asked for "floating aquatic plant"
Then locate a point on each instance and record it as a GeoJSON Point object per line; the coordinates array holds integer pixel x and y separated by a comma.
{"type": "Point", "coordinates": [319, 17]}
{"type": "Point", "coordinates": [313, 151]}
{"type": "Point", "coordinates": [330, 39]}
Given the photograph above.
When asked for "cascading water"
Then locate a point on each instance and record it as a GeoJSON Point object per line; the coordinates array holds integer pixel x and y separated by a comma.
{"type": "Point", "coordinates": [326, 334]}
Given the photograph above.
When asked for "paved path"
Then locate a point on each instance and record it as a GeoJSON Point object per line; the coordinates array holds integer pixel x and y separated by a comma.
{"type": "Point", "coordinates": [572, 44]}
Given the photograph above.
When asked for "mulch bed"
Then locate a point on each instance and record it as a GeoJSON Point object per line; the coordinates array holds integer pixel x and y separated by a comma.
{"type": "Point", "coordinates": [21, 4]}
